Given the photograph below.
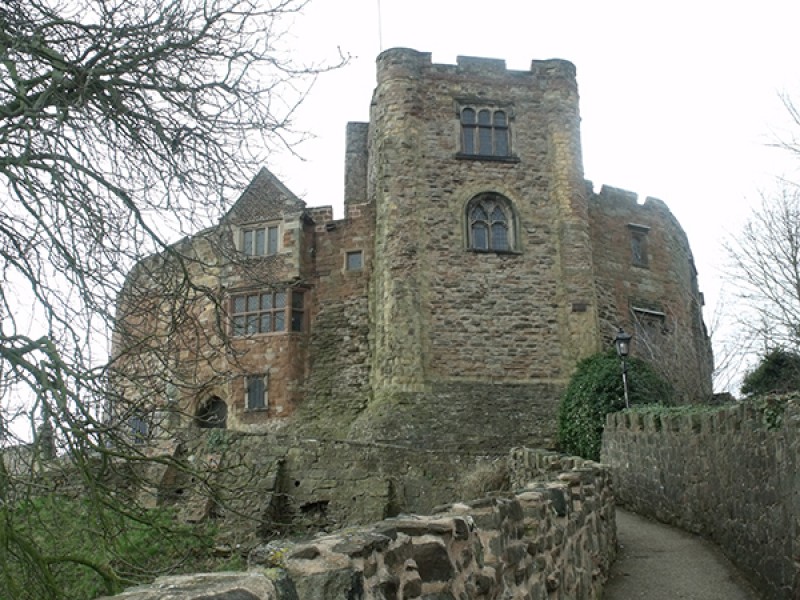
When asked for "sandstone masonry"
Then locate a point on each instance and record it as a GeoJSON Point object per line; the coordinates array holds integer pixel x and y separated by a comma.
{"type": "Point", "coordinates": [553, 539]}
{"type": "Point", "coordinates": [473, 268]}
{"type": "Point", "coordinates": [724, 475]}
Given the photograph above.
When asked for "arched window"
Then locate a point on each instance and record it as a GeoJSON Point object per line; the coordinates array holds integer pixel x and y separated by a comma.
{"type": "Point", "coordinates": [484, 132]}
{"type": "Point", "coordinates": [490, 223]}
{"type": "Point", "coordinates": [212, 414]}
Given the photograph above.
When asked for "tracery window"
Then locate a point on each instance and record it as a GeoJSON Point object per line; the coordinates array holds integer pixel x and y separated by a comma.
{"type": "Point", "coordinates": [490, 222]}
{"type": "Point", "coordinates": [485, 132]}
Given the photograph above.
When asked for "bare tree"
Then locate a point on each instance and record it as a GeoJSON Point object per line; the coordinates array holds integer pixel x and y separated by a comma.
{"type": "Point", "coordinates": [122, 124]}
{"type": "Point", "coordinates": [765, 258]}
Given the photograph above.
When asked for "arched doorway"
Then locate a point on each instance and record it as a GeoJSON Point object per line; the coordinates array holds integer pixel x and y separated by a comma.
{"type": "Point", "coordinates": [212, 414]}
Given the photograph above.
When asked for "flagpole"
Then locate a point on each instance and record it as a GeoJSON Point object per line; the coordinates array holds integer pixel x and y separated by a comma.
{"type": "Point", "coordinates": [380, 28]}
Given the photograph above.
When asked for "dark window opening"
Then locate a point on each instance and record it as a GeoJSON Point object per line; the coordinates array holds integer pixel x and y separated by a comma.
{"type": "Point", "coordinates": [139, 428]}
{"type": "Point", "coordinates": [298, 310]}
{"type": "Point", "coordinates": [639, 256]}
{"type": "Point", "coordinates": [212, 414]}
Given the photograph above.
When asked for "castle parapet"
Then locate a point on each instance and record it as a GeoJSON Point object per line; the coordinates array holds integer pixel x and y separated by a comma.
{"type": "Point", "coordinates": [405, 62]}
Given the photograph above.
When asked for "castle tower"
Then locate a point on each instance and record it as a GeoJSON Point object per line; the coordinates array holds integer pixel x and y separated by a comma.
{"type": "Point", "coordinates": [474, 267]}
{"type": "Point", "coordinates": [483, 260]}
{"type": "Point", "coordinates": [482, 269]}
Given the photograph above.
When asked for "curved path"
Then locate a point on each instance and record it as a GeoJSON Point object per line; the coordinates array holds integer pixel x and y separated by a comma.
{"type": "Point", "coordinates": [658, 562]}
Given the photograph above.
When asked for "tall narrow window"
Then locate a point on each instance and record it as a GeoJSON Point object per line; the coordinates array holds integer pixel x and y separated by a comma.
{"type": "Point", "coordinates": [298, 310]}
{"type": "Point", "coordinates": [468, 127]}
{"type": "Point", "coordinates": [490, 223]}
{"type": "Point", "coordinates": [485, 145]}
{"type": "Point", "coordinates": [257, 393]}
{"type": "Point", "coordinates": [485, 132]}
{"type": "Point", "coordinates": [140, 428]}
{"type": "Point", "coordinates": [639, 256]}
{"type": "Point", "coordinates": [480, 228]}
{"type": "Point", "coordinates": [272, 239]}
{"type": "Point", "coordinates": [499, 229]}
{"type": "Point", "coordinates": [500, 130]}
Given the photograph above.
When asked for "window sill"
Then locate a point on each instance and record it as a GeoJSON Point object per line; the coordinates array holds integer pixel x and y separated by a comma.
{"type": "Point", "coordinates": [502, 252]}
{"type": "Point", "coordinates": [257, 410]}
{"type": "Point", "coordinates": [488, 158]}
{"type": "Point", "coordinates": [249, 336]}
{"type": "Point", "coordinates": [262, 256]}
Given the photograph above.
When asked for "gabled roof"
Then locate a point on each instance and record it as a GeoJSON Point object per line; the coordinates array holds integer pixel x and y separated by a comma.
{"type": "Point", "coordinates": [264, 199]}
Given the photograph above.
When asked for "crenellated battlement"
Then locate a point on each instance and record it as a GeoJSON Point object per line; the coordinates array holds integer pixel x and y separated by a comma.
{"type": "Point", "coordinates": [614, 198]}
{"type": "Point", "coordinates": [405, 62]}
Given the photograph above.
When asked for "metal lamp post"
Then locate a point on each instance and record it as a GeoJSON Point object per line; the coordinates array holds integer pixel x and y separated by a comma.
{"type": "Point", "coordinates": [623, 345]}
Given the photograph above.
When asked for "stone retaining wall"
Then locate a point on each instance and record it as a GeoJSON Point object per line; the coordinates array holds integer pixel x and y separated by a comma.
{"type": "Point", "coordinates": [552, 540]}
{"type": "Point", "coordinates": [264, 485]}
{"type": "Point", "coordinates": [725, 475]}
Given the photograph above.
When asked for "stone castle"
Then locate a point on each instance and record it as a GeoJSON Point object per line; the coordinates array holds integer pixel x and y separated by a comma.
{"type": "Point", "coordinates": [474, 267]}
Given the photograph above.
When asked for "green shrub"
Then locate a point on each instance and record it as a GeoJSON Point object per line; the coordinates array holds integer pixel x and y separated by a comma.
{"type": "Point", "coordinates": [596, 390]}
{"type": "Point", "coordinates": [778, 372]}
{"type": "Point", "coordinates": [772, 408]}
{"type": "Point", "coordinates": [62, 547]}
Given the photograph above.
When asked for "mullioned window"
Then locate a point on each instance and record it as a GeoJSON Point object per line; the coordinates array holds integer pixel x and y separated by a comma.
{"type": "Point", "coordinates": [490, 223]}
{"type": "Point", "coordinates": [263, 240]}
{"type": "Point", "coordinates": [269, 311]}
{"type": "Point", "coordinates": [485, 132]}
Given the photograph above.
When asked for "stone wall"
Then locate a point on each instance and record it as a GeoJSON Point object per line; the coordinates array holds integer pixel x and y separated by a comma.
{"type": "Point", "coordinates": [432, 340]}
{"type": "Point", "coordinates": [554, 539]}
{"type": "Point", "coordinates": [722, 474]}
{"type": "Point", "coordinates": [653, 295]}
{"type": "Point", "coordinates": [338, 383]}
{"type": "Point", "coordinates": [262, 485]}
{"type": "Point", "coordinates": [472, 417]}
{"type": "Point", "coordinates": [446, 313]}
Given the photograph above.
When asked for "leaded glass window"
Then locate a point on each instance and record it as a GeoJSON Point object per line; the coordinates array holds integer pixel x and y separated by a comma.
{"type": "Point", "coordinates": [266, 312]}
{"type": "Point", "coordinates": [256, 392]}
{"type": "Point", "coordinates": [490, 223]}
{"type": "Point", "coordinates": [260, 241]}
{"type": "Point", "coordinates": [485, 132]}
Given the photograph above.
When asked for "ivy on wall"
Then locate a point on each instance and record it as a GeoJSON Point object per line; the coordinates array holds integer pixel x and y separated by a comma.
{"type": "Point", "coordinates": [596, 390]}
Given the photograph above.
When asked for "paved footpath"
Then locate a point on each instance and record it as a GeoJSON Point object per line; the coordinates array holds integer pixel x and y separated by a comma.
{"type": "Point", "coordinates": [658, 562]}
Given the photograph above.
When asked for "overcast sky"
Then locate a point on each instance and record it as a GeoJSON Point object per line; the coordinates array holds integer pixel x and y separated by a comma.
{"type": "Point", "coordinates": [679, 100]}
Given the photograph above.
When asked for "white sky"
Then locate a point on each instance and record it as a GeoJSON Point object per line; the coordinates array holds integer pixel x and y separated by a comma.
{"type": "Point", "coordinates": [678, 100]}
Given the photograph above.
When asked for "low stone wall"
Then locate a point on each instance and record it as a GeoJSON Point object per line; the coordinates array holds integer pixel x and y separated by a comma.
{"type": "Point", "coordinates": [260, 486]}
{"type": "Point", "coordinates": [725, 475]}
{"type": "Point", "coordinates": [552, 540]}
